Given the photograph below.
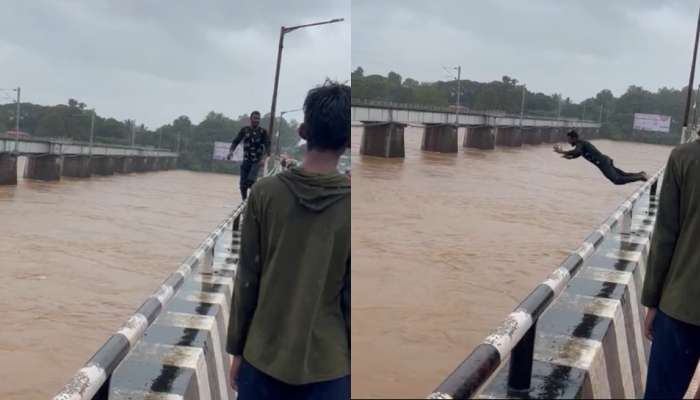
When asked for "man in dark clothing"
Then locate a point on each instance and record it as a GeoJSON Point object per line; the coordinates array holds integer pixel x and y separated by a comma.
{"type": "Point", "coordinates": [604, 163]}
{"type": "Point", "coordinates": [256, 143]}
{"type": "Point", "coordinates": [289, 329]}
{"type": "Point", "coordinates": [672, 282]}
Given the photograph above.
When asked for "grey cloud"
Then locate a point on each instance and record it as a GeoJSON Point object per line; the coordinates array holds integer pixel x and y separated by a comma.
{"type": "Point", "coordinates": [154, 60]}
{"type": "Point", "coordinates": [573, 47]}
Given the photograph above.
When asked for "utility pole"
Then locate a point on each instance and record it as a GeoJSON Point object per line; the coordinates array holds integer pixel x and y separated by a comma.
{"type": "Point", "coordinates": [459, 92]}
{"type": "Point", "coordinates": [92, 129]}
{"type": "Point", "coordinates": [133, 132]}
{"type": "Point", "coordinates": [559, 108]}
{"type": "Point", "coordinates": [17, 122]}
{"type": "Point", "coordinates": [522, 108]}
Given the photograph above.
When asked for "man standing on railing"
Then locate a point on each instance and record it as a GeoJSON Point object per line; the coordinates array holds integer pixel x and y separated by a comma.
{"type": "Point", "coordinates": [289, 330]}
{"type": "Point", "coordinates": [604, 163]}
{"type": "Point", "coordinates": [256, 144]}
{"type": "Point", "coordinates": [672, 282]}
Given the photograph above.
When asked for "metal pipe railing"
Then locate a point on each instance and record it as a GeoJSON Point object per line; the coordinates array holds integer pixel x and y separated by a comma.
{"type": "Point", "coordinates": [515, 337]}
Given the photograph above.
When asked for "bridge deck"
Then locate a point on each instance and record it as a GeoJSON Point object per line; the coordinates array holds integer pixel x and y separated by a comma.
{"type": "Point", "coordinates": [53, 147]}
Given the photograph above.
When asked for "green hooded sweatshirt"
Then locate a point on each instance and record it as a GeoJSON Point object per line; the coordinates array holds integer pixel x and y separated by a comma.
{"type": "Point", "coordinates": [672, 280]}
{"type": "Point", "coordinates": [290, 314]}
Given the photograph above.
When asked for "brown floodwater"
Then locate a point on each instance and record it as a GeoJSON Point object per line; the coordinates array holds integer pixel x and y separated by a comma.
{"type": "Point", "coordinates": [444, 246]}
{"type": "Point", "coordinates": [77, 257]}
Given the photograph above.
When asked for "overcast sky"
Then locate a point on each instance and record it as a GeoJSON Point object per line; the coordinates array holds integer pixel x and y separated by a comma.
{"type": "Point", "coordinates": [575, 47]}
{"type": "Point", "coordinates": [153, 60]}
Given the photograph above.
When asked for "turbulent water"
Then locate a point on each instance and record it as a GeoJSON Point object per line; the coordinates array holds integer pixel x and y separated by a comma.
{"type": "Point", "coordinates": [77, 257]}
{"type": "Point", "coordinates": [444, 246]}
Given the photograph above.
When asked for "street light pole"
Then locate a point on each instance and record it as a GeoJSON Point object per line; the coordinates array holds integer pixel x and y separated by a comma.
{"type": "Point", "coordinates": [522, 108]}
{"type": "Point", "coordinates": [283, 31]}
{"type": "Point", "coordinates": [277, 144]}
{"type": "Point", "coordinates": [17, 122]}
{"type": "Point", "coordinates": [558, 107]}
{"type": "Point", "coordinates": [459, 92]}
{"type": "Point", "coordinates": [92, 129]}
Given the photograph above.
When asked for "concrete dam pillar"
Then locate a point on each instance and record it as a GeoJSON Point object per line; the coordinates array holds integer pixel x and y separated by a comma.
{"type": "Point", "coordinates": [102, 165]}
{"type": "Point", "coordinates": [509, 136]}
{"type": "Point", "coordinates": [532, 136]}
{"type": "Point", "coordinates": [383, 140]}
{"type": "Point", "coordinates": [441, 138]}
{"type": "Point", "coordinates": [43, 167]}
{"type": "Point", "coordinates": [8, 169]}
{"type": "Point", "coordinates": [76, 166]}
{"type": "Point", "coordinates": [480, 137]}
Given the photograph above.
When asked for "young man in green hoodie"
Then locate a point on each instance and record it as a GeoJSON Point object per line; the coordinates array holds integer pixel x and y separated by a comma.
{"type": "Point", "coordinates": [672, 283]}
{"type": "Point", "coordinates": [289, 330]}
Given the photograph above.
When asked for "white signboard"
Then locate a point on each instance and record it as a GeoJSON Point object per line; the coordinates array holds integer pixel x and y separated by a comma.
{"type": "Point", "coordinates": [221, 151]}
{"type": "Point", "coordinates": [652, 122]}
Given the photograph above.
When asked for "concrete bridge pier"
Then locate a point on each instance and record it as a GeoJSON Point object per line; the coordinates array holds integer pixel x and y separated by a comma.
{"type": "Point", "coordinates": [43, 167]}
{"type": "Point", "coordinates": [558, 135]}
{"type": "Point", "coordinates": [547, 135]}
{"type": "Point", "coordinates": [151, 163]}
{"type": "Point", "coordinates": [509, 136]}
{"type": "Point", "coordinates": [121, 165]}
{"type": "Point", "coordinates": [441, 138]}
{"type": "Point", "coordinates": [76, 166]}
{"type": "Point", "coordinates": [173, 162]}
{"type": "Point", "coordinates": [158, 164]}
{"type": "Point", "coordinates": [138, 164]}
{"type": "Point", "coordinates": [102, 165]}
{"type": "Point", "coordinates": [8, 169]}
{"type": "Point", "coordinates": [480, 137]}
{"type": "Point", "coordinates": [383, 140]}
{"type": "Point", "coordinates": [532, 136]}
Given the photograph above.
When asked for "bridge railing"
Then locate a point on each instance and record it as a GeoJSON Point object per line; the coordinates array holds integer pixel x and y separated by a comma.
{"type": "Point", "coordinates": [68, 141]}
{"type": "Point", "coordinates": [515, 337]}
{"type": "Point", "coordinates": [430, 108]}
{"type": "Point", "coordinates": [92, 381]}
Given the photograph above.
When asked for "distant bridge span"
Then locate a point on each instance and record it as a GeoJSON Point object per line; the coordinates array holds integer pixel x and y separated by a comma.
{"type": "Point", "coordinates": [384, 123]}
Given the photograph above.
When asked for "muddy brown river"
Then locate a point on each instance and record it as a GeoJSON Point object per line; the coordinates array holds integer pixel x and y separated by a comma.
{"type": "Point", "coordinates": [79, 256]}
{"type": "Point", "coordinates": [445, 246]}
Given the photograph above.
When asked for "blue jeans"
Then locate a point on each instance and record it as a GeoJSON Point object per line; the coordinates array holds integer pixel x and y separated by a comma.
{"type": "Point", "coordinates": [675, 352]}
{"type": "Point", "coordinates": [254, 384]}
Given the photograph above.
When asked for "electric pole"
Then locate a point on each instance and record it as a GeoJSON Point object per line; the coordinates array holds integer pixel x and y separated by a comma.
{"type": "Point", "coordinates": [17, 122]}
{"type": "Point", "coordinates": [459, 92]}
{"type": "Point", "coordinates": [522, 108]}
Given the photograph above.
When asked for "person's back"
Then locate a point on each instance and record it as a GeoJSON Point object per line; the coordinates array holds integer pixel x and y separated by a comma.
{"type": "Point", "coordinates": [306, 218]}
{"type": "Point", "coordinates": [675, 246]}
{"type": "Point", "coordinates": [672, 283]}
{"type": "Point", "coordinates": [289, 330]}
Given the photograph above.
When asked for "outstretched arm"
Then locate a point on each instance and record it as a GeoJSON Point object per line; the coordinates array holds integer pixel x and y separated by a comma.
{"type": "Point", "coordinates": [571, 154]}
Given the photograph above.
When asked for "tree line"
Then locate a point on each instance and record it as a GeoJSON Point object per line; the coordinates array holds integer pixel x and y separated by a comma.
{"type": "Point", "coordinates": [615, 113]}
{"type": "Point", "coordinates": [194, 142]}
